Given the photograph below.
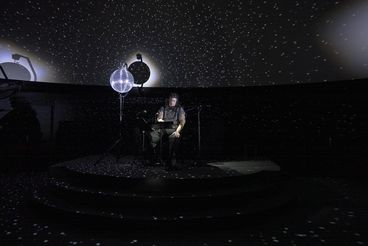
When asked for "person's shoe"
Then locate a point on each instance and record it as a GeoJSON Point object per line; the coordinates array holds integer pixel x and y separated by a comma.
{"type": "Point", "coordinates": [153, 158]}
{"type": "Point", "coordinates": [154, 163]}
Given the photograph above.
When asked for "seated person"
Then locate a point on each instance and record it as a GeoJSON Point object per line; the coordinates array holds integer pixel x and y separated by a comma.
{"type": "Point", "coordinates": [171, 111]}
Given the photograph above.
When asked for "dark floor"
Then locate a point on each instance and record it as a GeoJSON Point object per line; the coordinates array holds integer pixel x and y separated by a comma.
{"type": "Point", "coordinates": [330, 211]}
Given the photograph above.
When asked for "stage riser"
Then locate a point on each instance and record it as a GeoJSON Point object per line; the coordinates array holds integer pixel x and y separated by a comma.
{"type": "Point", "coordinates": [192, 202]}
{"type": "Point", "coordinates": [244, 188]}
{"type": "Point", "coordinates": [162, 186]}
{"type": "Point", "coordinates": [130, 192]}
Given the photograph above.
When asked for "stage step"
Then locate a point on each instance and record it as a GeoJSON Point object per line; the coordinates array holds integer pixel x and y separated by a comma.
{"type": "Point", "coordinates": [132, 192]}
{"type": "Point", "coordinates": [193, 199]}
{"type": "Point", "coordinates": [140, 214]}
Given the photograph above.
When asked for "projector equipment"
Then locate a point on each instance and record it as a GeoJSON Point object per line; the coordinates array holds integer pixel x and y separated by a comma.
{"type": "Point", "coordinates": [121, 81]}
{"type": "Point", "coordinates": [7, 89]}
{"type": "Point", "coordinates": [13, 70]}
{"type": "Point", "coordinates": [3, 72]}
{"type": "Point", "coordinates": [140, 71]}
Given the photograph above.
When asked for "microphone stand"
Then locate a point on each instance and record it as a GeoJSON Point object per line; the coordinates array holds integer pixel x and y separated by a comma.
{"type": "Point", "coordinates": [199, 161]}
{"type": "Point", "coordinates": [118, 141]}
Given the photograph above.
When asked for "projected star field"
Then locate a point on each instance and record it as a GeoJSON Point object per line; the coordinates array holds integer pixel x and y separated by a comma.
{"type": "Point", "coordinates": [189, 43]}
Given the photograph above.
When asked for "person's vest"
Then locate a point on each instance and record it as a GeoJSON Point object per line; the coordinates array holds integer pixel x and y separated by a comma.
{"type": "Point", "coordinates": [175, 118]}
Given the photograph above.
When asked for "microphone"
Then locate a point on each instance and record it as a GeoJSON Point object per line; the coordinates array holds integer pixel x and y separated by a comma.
{"type": "Point", "coordinates": [142, 112]}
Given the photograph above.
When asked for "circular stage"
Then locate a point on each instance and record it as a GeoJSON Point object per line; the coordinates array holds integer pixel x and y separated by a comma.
{"type": "Point", "coordinates": [129, 191]}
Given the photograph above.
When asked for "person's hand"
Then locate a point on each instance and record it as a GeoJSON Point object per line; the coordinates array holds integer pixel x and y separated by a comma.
{"type": "Point", "coordinates": [175, 134]}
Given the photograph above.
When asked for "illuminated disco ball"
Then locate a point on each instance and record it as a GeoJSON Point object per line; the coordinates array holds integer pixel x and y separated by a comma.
{"type": "Point", "coordinates": [122, 80]}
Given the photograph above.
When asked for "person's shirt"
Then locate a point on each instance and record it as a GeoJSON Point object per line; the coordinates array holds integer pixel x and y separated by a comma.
{"type": "Point", "coordinates": [176, 114]}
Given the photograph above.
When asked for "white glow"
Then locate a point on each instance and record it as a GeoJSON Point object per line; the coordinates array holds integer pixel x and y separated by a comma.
{"type": "Point", "coordinates": [121, 80]}
{"type": "Point", "coordinates": [344, 33]}
{"type": "Point", "coordinates": [153, 81]}
{"type": "Point", "coordinates": [44, 71]}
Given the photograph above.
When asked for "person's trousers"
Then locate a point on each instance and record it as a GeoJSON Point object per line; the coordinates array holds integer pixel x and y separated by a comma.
{"type": "Point", "coordinates": [173, 142]}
